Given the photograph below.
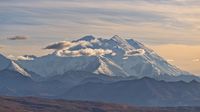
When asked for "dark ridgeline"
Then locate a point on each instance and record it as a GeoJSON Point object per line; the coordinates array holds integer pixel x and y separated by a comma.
{"type": "Point", "coordinates": [143, 92]}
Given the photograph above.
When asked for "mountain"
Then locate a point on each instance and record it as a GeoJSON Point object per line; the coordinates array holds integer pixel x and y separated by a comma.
{"type": "Point", "coordinates": [14, 80]}
{"type": "Point", "coordinates": [98, 71]}
{"type": "Point", "coordinates": [60, 65]}
{"type": "Point", "coordinates": [113, 57]}
{"type": "Point", "coordinates": [9, 65]}
{"type": "Point", "coordinates": [74, 78]}
{"type": "Point", "coordinates": [33, 104]}
{"type": "Point", "coordinates": [142, 92]}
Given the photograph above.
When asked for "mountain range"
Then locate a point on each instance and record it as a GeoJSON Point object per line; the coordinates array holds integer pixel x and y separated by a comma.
{"type": "Point", "coordinates": [115, 70]}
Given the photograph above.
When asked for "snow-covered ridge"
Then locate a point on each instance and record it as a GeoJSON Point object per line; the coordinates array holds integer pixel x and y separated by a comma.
{"type": "Point", "coordinates": [114, 57]}
{"type": "Point", "coordinates": [7, 64]}
{"type": "Point", "coordinates": [14, 67]}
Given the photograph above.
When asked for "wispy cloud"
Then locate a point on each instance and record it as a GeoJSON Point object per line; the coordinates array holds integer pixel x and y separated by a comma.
{"type": "Point", "coordinates": [196, 60]}
{"type": "Point", "coordinates": [85, 52]}
{"type": "Point", "coordinates": [159, 19]}
{"type": "Point", "coordinates": [170, 60]}
{"type": "Point", "coordinates": [70, 44]}
{"type": "Point", "coordinates": [59, 45]}
{"type": "Point", "coordinates": [18, 38]}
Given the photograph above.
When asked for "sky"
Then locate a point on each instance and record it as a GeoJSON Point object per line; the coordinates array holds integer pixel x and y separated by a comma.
{"type": "Point", "coordinates": [170, 27]}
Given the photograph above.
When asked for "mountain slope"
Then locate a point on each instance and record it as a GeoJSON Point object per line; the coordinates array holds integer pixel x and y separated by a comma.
{"type": "Point", "coordinates": [83, 80]}
{"type": "Point", "coordinates": [7, 64]}
{"type": "Point", "coordinates": [60, 65]}
{"type": "Point", "coordinates": [15, 81]}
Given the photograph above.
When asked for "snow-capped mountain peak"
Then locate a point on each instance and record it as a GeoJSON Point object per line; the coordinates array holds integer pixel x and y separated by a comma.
{"type": "Point", "coordinates": [121, 43]}
{"type": "Point", "coordinates": [118, 39]}
{"type": "Point", "coordinates": [87, 38]}
{"type": "Point", "coordinates": [114, 57]}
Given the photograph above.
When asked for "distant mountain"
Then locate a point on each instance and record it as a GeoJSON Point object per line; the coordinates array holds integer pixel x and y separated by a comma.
{"type": "Point", "coordinates": [9, 65]}
{"type": "Point", "coordinates": [13, 79]}
{"type": "Point", "coordinates": [81, 77]}
{"type": "Point", "coordinates": [87, 86]}
{"type": "Point", "coordinates": [113, 57]}
{"type": "Point", "coordinates": [12, 76]}
{"type": "Point", "coordinates": [143, 92]}
{"type": "Point", "coordinates": [32, 104]}
{"type": "Point", "coordinates": [16, 81]}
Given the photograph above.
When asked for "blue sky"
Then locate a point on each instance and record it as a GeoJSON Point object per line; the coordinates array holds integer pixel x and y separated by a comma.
{"type": "Point", "coordinates": [157, 23]}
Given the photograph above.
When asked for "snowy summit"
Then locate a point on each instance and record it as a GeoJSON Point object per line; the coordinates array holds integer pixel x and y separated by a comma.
{"type": "Point", "coordinates": [113, 57]}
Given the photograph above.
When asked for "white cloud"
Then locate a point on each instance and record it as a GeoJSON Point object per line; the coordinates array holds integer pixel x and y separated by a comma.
{"type": "Point", "coordinates": [83, 43]}
{"type": "Point", "coordinates": [196, 60]}
{"type": "Point", "coordinates": [59, 45]}
{"type": "Point", "coordinates": [143, 18]}
{"type": "Point", "coordinates": [170, 60]}
{"type": "Point", "coordinates": [135, 52]}
{"type": "Point", "coordinates": [26, 57]}
{"type": "Point", "coordinates": [71, 44]}
{"type": "Point", "coordinates": [84, 52]}
{"type": "Point", "coordinates": [11, 57]}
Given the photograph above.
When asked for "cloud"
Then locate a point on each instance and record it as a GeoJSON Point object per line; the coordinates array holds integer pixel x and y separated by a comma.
{"type": "Point", "coordinates": [25, 58]}
{"type": "Point", "coordinates": [159, 19]}
{"type": "Point", "coordinates": [84, 52]}
{"type": "Point", "coordinates": [135, 52]}
{"type": "Point", "coordinates": [18, 38]}
{"type": "Point", "coordinates": [72, 45]}
{"type": "Point", "coordinates": [11, 57]}
{"type": "Point", "coordinates": [59, 45]}
{"type": "Point", "coordinates": [78, 48]}
{"type": "Point", "coordinates": [170, 60]}
{"type": "Point", "coordinates": [196, 60]}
